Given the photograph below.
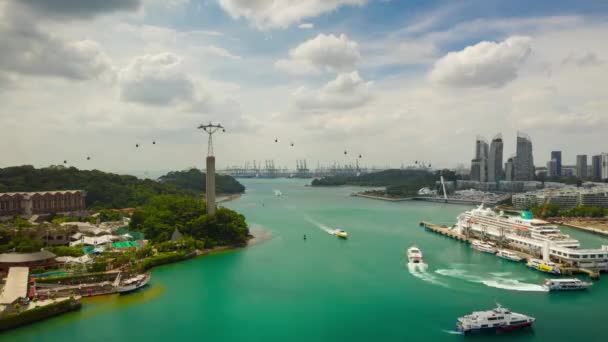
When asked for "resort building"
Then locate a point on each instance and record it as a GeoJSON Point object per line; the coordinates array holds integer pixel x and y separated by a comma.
{"type": "Point", "coordinates": [40, 203]}
{"type": "Point", "coordinates": [566, 198]}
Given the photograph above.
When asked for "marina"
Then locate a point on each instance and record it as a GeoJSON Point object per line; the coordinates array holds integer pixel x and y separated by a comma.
{"type": "Point", "coordinates": [563, 269]}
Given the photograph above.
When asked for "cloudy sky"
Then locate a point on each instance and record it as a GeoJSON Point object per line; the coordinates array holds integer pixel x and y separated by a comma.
{"type": "Point", "coordinates": [395, 81]}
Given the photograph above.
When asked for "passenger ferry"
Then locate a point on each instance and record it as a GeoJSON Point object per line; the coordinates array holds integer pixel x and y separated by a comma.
{"type": "Point", "coordinates": [543, 266]}
{"type": "Point", "coordinates": [483, 246]}
{"type": "Point", "coordinates": [506, 254]}
{"type": "Point", "coordinates": [414, 255]}
{"type": "Point", "coordinates": [533, 236]}
{"type": "Point", "coordinates": [572, 284]}
{"type": "Point", "coordinates": [497, 319]}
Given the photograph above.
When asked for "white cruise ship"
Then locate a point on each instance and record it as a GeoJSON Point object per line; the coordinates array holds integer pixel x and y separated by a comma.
{"type": "Point", "coordinates": [535, 236]}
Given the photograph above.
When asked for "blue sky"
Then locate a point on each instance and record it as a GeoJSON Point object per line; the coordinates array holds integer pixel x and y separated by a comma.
{"type": "Point", "coordinates": [396, 81]}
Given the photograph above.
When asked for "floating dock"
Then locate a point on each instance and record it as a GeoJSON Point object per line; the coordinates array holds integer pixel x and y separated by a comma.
{"type": "Point", "coordinates": [447, 231]}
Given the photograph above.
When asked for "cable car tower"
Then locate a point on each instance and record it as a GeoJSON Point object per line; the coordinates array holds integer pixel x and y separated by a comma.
{"type": "Point", "coordinates": [210, 129]}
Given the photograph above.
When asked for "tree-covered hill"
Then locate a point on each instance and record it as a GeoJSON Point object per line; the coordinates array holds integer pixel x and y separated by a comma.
{"type": "Point", "coordinates": [194, 179]}
{"type": "Point", "coordinates": [104, 190]}
{"type": "Point", "coordinates": [163, 214]}
{"type": "Point", "coordinates": [382, 178]}
{"type": "Point", "coordinates": [398, 182]}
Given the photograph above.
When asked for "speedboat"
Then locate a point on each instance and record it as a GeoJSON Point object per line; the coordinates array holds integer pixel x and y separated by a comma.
{"type": "Point", "coordinates": [497, 319]}
{"type": "Point", "coordinates": [483, 246]}
{"type": "Point", "coordinates": [341, 234]}
{"type": "Point", "coordinates": [506, 254]}
{"type": "Point", "coordinates": [414, 255]}
{"type": "Point", "coordinates": [543, 266]}
{"type": "Point", "coordinates": [571, 284]}
{"type": "Point", "coordinates": [133, 284]}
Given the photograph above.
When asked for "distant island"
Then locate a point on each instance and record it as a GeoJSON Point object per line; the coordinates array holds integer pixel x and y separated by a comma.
{"type": "Point", "coordinates": [110, 190]}
{"type": "Point", "coordinates": [397, 182]}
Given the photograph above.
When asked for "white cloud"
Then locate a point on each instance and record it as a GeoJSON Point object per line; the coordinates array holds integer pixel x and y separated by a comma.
{"type": "Point", "coordinates": [265, 14]}
{"type": "Point", "coordinates": [26, 49]}
{"type": "Point", "coordinates": [156, 80]}
{"type": "Point", "coordinates": [221, 52]}
{"type": "Point", "coordinates": [347, 91]}
{"type": "Point", "coordinates": [79, 9]}
{"type": "Point", "coordinates": [322, 53]}
{"type": "Point", "coordinates": [306, 26]}
{"type": "Point", "coordinates": [483, 64]}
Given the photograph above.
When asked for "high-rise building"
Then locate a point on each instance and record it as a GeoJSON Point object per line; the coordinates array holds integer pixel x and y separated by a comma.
{"type": "Point", "coordinates": [524, 161]}
{"type": "Point", "coordinates": [479, 165]}
{"type": "Point", "coordinates": [495, 160]}
{"type": "Point", "coordinates": [481, 148]}
{"type": "Point", "coordinates": [475, 170]}
{"type": "Point", "coordinates": [596, 167]}
{"type": "Point", "coordinates": [557, 155]}
{"type": "Point", "coordinates": [552, 168]}
{"type": "Point", "coordinates": [483, 170]}
{"type": "Point", "coordinates": [604, 166]}
{"type": "Point", "coordinates": [510, 169]}
{"type": "Point", "coordinates": [581, 166]}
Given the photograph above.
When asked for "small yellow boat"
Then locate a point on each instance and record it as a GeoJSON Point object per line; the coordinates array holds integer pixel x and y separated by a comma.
{"type": "Point", "coordinates": [341, 234]}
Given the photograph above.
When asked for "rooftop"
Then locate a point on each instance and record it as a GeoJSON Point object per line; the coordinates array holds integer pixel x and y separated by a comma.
{"type": "Point", "coordinates": [16, 285]}
{"type": "Point", "coordinates": [26, 257]}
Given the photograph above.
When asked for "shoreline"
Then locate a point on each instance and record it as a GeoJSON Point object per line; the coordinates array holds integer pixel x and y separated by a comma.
{"type": "Point", "coordinates": [228, 198]}
{"type": "Point", "coordinates": [382, 198]}
{"type": "Point", "coordinates": [591, 230]}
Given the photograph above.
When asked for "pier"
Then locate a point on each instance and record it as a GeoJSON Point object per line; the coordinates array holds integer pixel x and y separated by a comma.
{"type": "Point", "coordinates": [564, 269]}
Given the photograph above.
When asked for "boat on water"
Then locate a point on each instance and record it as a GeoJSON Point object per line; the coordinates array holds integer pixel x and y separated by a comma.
{"type": "Point", "coordinates": [483, 246]}
{"type": "Point", "coordinates": [506, 254]}
{"type": "Point", "coordinates": [497, 319]}
{"type": "Point", "coordinates": [341, 234]}
{"type": "Point", "coordinates": [571, 284]}
{"type": "Point", "coordinates": [134, 283]}
{"type": "Point", "coordinates": [414, 255]}
{"type": "Point", "coordinates": [543, 266]}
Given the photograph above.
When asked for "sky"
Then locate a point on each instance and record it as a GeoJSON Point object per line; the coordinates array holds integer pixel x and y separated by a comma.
{"type": "Point", "coordinates": [395, 81]}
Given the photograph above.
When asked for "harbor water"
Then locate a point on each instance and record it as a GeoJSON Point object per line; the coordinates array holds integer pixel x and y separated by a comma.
{"type": "Point", "coordinates": [327, 289]}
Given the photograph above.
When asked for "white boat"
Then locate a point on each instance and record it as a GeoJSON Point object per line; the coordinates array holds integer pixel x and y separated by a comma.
{"type": "Point", "coordinates": [497, 319]}
{"type": "Point", "coordinates": [505, 254]}
{"type": "Point", "coordinates": [414, 255]}
{"type": "Point", "coordinates": [543, 266]}
{"type": "Point", "coordinates": [483, 246]}
{"type": "Point", "coordinates": [340, 233]}
{"type": "Point", "coordinates": [133, 284]}
{"type": "Point", "coordinates": [571, 284]}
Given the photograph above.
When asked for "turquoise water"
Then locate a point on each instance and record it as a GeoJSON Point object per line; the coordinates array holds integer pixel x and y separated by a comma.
{"type": "Point", "coordinates": [326, 289]}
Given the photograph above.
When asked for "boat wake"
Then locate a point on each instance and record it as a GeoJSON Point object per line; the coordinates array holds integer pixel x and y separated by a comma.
{"type": "Point", "coordinates": [453, 332]}
{"type": "Point", "coordinates": [323, 227]}
{"type": "Point", "coordinates": [419, 270]}
{"type": "Point", "coordinates": [496, 280]}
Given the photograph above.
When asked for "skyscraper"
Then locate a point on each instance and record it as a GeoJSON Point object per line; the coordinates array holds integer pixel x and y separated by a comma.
{"type": "Point", "coordinates": [509, 169]}
{"type": "Point", "coordinates": [524, 161]}
{"type": "Point", "coordinates": [604, 157]}
{"type": "Point", "coordinates": [581, 166]}
{"type": "Point", "coordinates": [552, 168]}
{"type": "Point", "coordinates": [475, 170]}
{"type": "Point", "coordinates": [557, 155]}
{"type": "Point", "coordinates": [596, 167]}
{"type": "Point", "coordinates": [495, 160]}
{"type": "Point", "coordinates": [479, 165]}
